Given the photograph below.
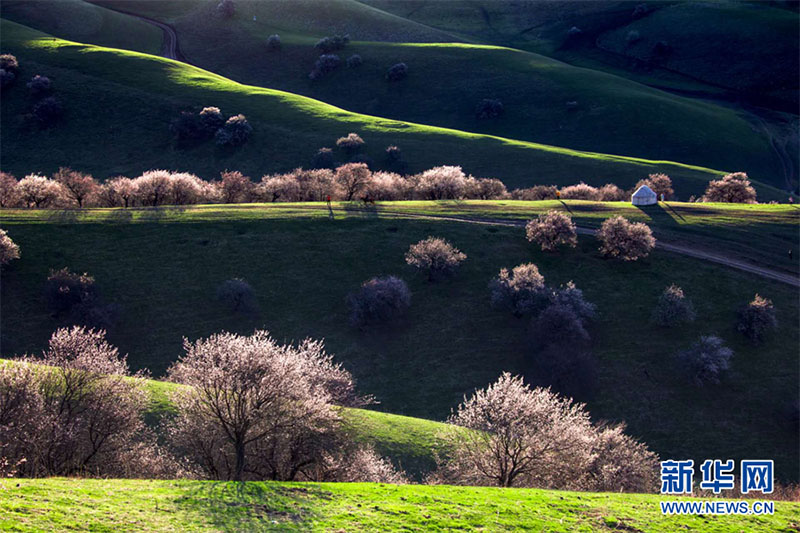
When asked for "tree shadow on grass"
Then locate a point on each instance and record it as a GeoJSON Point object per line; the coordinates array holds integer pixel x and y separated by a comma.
{"type": "Point", "coordinates": [360, 210]}
{"type": "Point", "coordinates": [253, 506]}
{"type": "Point", "coordinates": [662, 214]}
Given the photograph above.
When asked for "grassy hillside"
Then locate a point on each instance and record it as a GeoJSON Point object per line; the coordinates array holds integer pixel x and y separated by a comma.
{"type": "Point", "coordinates": [411, 443]}
{"type": "Point", "coordinates": [163, 268]}
{"type": "Point", "coordinates": [717, 46]}
{"type": "Point", "coordinates": [132, 505]}
{"type": "Point", "coordinates": [447, 81]}
{"type": "Point", "coordinates": [82, 21]}
{"type": "Point", "coordinates": [138, 95]}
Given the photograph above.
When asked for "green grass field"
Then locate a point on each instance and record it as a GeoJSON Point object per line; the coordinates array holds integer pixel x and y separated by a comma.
{"type": "Point", "coordinates": [164, 271]}
{"type": "Point", "coordinates": [138, 95]}
{"type": "Point", "coordinates": [614, 115]}
{"type": "Point", "coordinates": [134, 505]}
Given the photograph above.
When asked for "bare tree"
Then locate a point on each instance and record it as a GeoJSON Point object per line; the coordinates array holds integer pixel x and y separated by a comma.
{"type": "Point", "coordinates": [511, 435]}
{"type": "Point", "coordinates": [552, 230]}
{"type": "Point", "coordinates": [38, 191]}
{"type": "Point", "coordinates": [78, 187]}
{"type": "Point", "coordinates": [256, 409]}
{"type": "Point", "coordinates": [352, 178]}
{"type": "Point", "coordinates": [625, 240]}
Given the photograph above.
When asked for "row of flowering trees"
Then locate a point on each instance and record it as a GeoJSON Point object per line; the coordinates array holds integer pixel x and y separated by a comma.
{"type": "Point", "coordinates": [249, 408]}
{"type": "Point", "coordinates": [348, 182]}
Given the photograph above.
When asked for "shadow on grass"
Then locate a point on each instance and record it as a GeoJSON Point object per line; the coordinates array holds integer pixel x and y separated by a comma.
{"type": "Point", "coordinates": [661, 214]}
{"type": "Point", "coordinates": [361, 210]}
{"type": "Point", "coordinates": [253, 506]}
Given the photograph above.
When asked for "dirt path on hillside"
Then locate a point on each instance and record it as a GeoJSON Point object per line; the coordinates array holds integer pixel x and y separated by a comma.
{"type": "Point", "coordinates": [169, 47]}
{"type": "Point", "coordinates": [688, 251]}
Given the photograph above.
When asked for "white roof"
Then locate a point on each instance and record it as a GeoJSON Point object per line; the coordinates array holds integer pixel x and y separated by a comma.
{"type": "Point", "coordinates": [644, 192]}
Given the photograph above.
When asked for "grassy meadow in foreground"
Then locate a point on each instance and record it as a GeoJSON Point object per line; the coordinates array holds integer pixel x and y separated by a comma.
{"type": "Point", "coordinates": [142, 505]}
{"type": "Point", "coordinates": [164, 273]}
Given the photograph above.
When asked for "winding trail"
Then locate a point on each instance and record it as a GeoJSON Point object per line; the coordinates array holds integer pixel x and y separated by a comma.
{"type": "Point", "coordinates": [169, 47]}
{"type": "Point", "coordinates": [688, 251]}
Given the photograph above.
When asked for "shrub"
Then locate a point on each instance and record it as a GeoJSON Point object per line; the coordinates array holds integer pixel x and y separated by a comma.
{"type": "Point", "coordinates": [326, 45]}
{"type": "Point", "coordinates": [80, 414]}
{"type": "Point", "coordinates": [552, 230]}
{"type": "Point", "coordinates": [732, 188]}
{"type": "Point", "coordinates": [212, 120]}
{"type": "Point", "coordinates": [8, 248]}
{"type": "Point", "coordinates": [283, 422]}
{"type": "Point", "coordinates": [660, 183]}
{"type": "Point", "coordinates": [237, 296]}
{"type": "Point", "coordinates": [393, 153]}
{"type": "Point", "coordinates": [9, 191]}
{"type": "Point", "coordinates": [326, 64]}
{"type": "Point", "coordinates": [38, 191]}
{"type": "Point", "coordinates": [40, 86]}
{"type": "Point", "coordinates": [489, 108]}
{"type": "Point", "coordinates": [48, 111]}
{"type": "Point", "coordinates": [397, 72]}
{"type": "Point", "coordinates": [188, 126]}
{"type": "Point", "coordinates": [574, 31]}
{"type": "Point", "coordinates": [235, 132]}
{"type": "Point", "coordinates": [537, 192]}
{"type": "Point", "coordinates": [78, 187]}
{"type": "Point", "coordinates": [757, 318]}
{"type": "Point", "coordinates": [620, 463]}
{"type": "Point", "coordinates": [485, 189]}
{"type": "Point", "coordinates": [522, 291]}
{"type": "Point", "coordinates": [117, 192]}
{"type": "Point", "coordinates": [351, 144]}
{"type": "Point", "coordinates": [226, 9]}
{"type": "Point", "coordinates": [572, 297]}
{"type": "Point", "coordinates": [661, 48]}
{"type": "Point", "coordinates": [7, 78]}
{"type": "Point", "coordinates": [435, 255]}
{"type": "Point", "coordinates": [323, 159]}
{"type": "Point", "coordinates": [66, 290]}
{"type": "Point", "coordinates": [354, 61]}
{"type": "Point", "coordinates": [673, 308]}
{"type": "Point", "coordinates": [581, 191]}
{"type": "Point", "coordinates": [9, 63]}
{"type": "Point", "coordinates": [274, 42]}
{"type": "Point", "coordinates": [640, 10]}
{"type": "Point", "coordinates": [379, 300]}
{"type": "Point", "coordinates": [352, 179]}
{"type": "Point", "coordinates": [625, 240]}
{"type": "Point", "coordinates": [560, 325]}
{"type": "Point", "coordinates": [706, 360]}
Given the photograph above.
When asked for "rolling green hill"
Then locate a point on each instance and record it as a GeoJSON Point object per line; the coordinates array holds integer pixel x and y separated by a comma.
{"type": "Point", "coordinates": [144, 505]}
{"type": "Point", "coordinates": [163, 266]}
{"type": "Point", "coordinates": [448, 80]}
{"type": "Point", "coordinates": [138, 95]}
{"type": "Point", "coordinates": [716, 46]}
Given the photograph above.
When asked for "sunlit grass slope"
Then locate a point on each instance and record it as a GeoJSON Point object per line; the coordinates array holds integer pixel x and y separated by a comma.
{"type": "Point", "coordinates": [138, 95]}
{"type": "Point", "coordinates": [85, 22]}
{"type": "Point", "coordinates": [142, 505]}
{"type": "Point", "coordinates": [163, 267]}
{"type": "Point", "coordinates": [448, 80]}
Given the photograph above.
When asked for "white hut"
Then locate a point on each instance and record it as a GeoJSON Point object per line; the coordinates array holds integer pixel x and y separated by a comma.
{"type": "Point", "coordinates": [644, 195]}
